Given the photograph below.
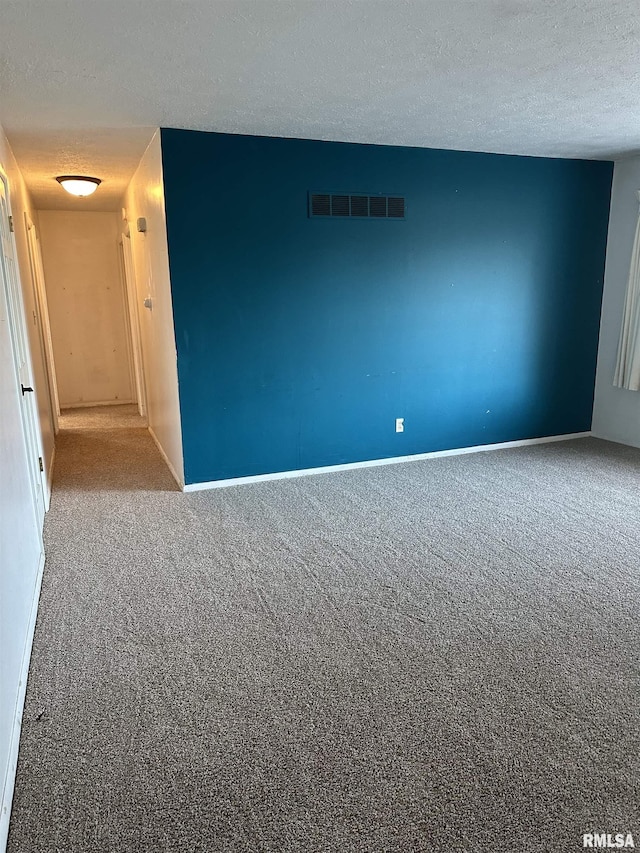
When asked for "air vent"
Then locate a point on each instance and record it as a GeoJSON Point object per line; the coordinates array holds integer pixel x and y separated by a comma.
{"type": "Point", "coordinates": [360, 206]}
{"type": "Point", "coordinates": [320, 205]}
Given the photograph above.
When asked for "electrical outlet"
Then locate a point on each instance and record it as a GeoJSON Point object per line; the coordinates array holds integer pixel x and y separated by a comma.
{"type": "Point", "coordinates": [399, 424]}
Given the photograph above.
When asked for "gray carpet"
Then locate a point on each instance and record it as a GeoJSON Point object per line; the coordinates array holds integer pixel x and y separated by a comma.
{"type": "Point", "coordinates": [436, 656]}
{"type": "Point", "coordinates": [114, 416]}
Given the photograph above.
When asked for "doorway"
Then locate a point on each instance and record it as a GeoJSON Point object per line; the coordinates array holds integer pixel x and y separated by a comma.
{"type": "Point", "coordinates": [95, 355]}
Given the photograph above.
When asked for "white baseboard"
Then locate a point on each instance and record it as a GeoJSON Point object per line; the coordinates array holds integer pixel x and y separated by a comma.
{"type": "Point", "coordinates": [50, 475]}
{"type": "Point", "coordinates": [374, 463]}
{"type": "Point", "coordinates": [166, 460]}
{"type": "Point", "coordinates": [10, 778]}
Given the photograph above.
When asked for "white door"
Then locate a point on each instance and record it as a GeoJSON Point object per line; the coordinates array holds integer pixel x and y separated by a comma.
{"type": "Point", "coordinates": [21, 357]}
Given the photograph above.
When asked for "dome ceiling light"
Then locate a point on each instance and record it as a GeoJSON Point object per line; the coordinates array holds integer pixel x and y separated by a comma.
{"type": "Point", "coordinates": [79, 185]}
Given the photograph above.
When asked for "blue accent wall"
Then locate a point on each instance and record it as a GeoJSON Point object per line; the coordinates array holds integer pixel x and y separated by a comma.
{"type": "Point", "coordinates": [301, 340]}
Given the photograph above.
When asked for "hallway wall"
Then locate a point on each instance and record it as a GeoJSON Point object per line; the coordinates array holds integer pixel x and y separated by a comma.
{"type": "Point", "coordinates": [87, 307]}
{"type": "Point", "coordinates": [145, 198]}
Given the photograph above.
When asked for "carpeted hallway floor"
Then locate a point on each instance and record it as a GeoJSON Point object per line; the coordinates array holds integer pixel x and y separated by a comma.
{"type": "Point", "coordinates": [115, 416]}
{"type": "Point", "coordinates": [436, 656]}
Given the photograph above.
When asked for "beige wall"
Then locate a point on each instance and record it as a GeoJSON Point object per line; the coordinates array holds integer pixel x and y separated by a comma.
{"type": "Point", "coordinates": [145, 198]}
{"type": "Point", "coordinates": [87, 307]}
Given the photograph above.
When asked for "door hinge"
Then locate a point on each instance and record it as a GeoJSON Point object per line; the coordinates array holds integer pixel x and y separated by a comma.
{"type": "Point", "coordinates": [40, 463]}
{"type": "Point", "coordinates": [11, 228]}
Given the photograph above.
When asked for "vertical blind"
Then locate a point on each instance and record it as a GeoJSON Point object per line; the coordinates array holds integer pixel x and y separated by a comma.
{"type": "Point", "coordinates": [627, 374]}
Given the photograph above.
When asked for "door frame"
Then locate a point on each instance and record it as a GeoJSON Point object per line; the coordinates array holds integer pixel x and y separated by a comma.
{"type": "Point", "coordinates": [131, 291]}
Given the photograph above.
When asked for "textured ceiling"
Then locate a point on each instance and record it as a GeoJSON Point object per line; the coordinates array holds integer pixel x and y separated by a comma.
{"type": "Point", "coordinates": [83, 82]}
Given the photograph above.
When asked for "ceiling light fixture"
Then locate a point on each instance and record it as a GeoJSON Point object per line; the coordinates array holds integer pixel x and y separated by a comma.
{"type": "Point", "coordinates": [79, 185]}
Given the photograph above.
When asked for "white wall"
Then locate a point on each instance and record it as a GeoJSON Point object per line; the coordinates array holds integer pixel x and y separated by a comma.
{"type": "Point", "coordinates": [616, 414]}
{"type": "Point", "coordinates": [20, 541]}
{"type": "Point", "coordinates": [87, 307]}
{"type": "Point", "coordinates": [145, 198]}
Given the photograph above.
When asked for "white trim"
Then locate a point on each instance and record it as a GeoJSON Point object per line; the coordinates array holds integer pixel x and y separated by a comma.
{"type": "Point", "coordinates": [10, 778]}
{"type": "Point", "coordinates": [374, 463]}
{"type": "Point", "coordinates": [50, 474]}
{"type": "Point", "coordinates": [166, 460]}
